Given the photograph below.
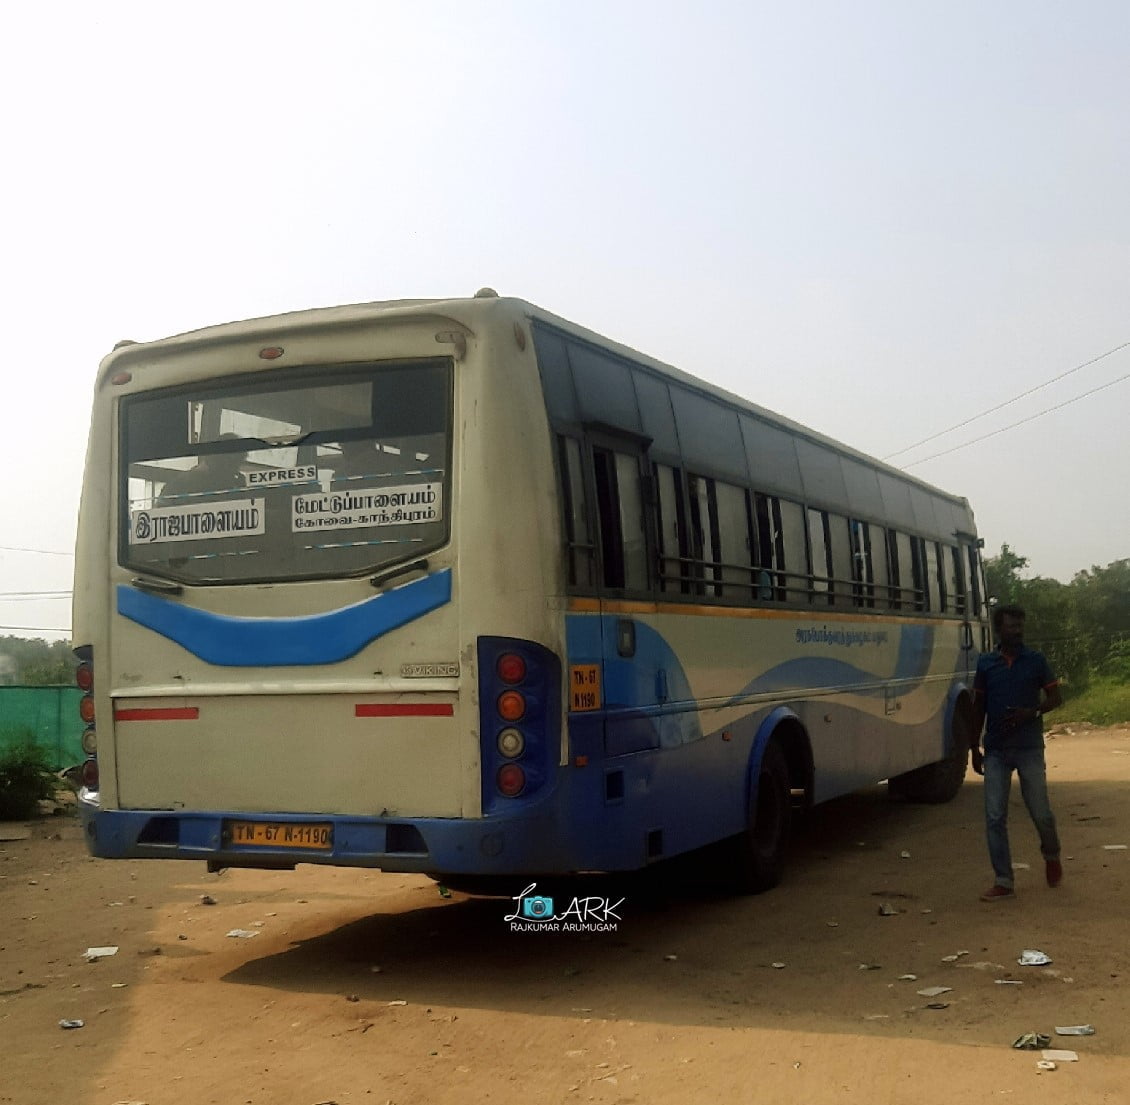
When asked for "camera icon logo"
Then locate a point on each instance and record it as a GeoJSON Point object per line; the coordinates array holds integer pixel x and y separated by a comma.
{"type": "Point", "coordinates": [537, 908]}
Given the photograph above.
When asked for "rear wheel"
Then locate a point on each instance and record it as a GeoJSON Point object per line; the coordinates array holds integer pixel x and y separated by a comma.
{"type": "Point", "coordinates": [938, 782]}
{"type": "Point", "coordinates": [756, 859]}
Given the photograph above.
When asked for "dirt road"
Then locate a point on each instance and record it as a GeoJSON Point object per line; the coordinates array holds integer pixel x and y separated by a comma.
{"type": "Point", "coordinates": [367, 987]}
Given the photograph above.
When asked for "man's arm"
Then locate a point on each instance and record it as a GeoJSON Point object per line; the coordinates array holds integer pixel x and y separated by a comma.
{"type": "Point", "coordinates": [975, 755]}
{"type": "Point", "coordinates": [1053, 697]}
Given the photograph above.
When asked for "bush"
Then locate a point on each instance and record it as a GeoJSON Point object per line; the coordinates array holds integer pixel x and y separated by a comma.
{"type": "Point", "coordinates": [25, 779]}
{"type": "Point", "coordinates": [1116, 664]}
{"type": "Point", "coordinates": [1105, 702]}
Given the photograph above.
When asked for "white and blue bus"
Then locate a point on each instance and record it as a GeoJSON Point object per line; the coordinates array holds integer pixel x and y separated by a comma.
{"type": "Point", "coordinates": [460, 587]}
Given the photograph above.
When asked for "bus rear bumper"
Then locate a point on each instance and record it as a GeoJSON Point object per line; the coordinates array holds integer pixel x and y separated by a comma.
{"type": "Point", "coordinates": [530, 844]}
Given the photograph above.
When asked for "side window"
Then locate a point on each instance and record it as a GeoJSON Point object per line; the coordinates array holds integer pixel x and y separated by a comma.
{"type": "Point", "coordinates": [670, 529]}
{"type": "Point", "coordinates": [734, 541]}
{"type": "Point", "coordinates": [918, 572]}
{"type": "Point", "coordinates": [771, 581]}
{"type": "Point", "coordinates": [795, 562]}
{"type": "Point", "coordinates": [820, 557]}
{"type": "Point", "coordinates": [839, 545]}
{"type": "Point", "coordinates": [934, 577]}
{"type": "Point", "coordinates": [954, 579]}
{"type": "Point", "coordinates": [704, 535]}
{"type": "Point", "coordinates": [974, 580]}
{"type": "Point", "coordinates": [632, 526]}
{"type": "Point", "coordinates": [878, 540]}
{"type": "Point", "coordinates": [619, 501]}
{"type": "Point", "coordinates": [578, 540]}
{"type": "Point", "coordinates": [862, 564]}
{"type": "Point", "coordinates": [896, 558]}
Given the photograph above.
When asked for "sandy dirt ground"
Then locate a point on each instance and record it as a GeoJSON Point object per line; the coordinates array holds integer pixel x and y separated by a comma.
{"type": "Point", "coordinates": [364, 987]}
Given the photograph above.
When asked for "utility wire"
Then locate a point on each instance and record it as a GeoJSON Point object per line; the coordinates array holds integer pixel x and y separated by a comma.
{"type": "Point", "coordinates": [41, 552]}
{"type": "Point", "coordinates": [1008, 402]}
{"type": "Point", "coordinates": [1030, 418]}
{"type": "Point", "coordinates": [39, 594]}
{"type": "Point", "coordinates": [35, 629]}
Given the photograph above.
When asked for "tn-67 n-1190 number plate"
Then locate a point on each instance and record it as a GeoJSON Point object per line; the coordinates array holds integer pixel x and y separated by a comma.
{"type": "Point", "coordinates": [279, 834]}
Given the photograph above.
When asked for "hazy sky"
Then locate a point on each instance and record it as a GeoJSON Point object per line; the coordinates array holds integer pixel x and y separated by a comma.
{"type": "Point", "coordinates": [880, 219]}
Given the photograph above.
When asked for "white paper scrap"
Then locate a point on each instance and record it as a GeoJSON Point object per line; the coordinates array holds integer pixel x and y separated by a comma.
{"type": "Point", "coordinates": [91, 955]}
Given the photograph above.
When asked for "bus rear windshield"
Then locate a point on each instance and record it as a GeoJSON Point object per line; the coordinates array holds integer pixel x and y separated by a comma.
{"type": "Point", "coordinates": [305, 474]}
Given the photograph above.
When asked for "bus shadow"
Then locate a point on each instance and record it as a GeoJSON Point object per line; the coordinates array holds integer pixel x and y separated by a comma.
{"type": "Point", "coordinates": [875, 890]}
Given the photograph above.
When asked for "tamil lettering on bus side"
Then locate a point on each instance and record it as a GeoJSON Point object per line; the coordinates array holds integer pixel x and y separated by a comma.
{"type": "Point", "coordinates": [410, 504]}
{"type": "Point", "coordinates": [823, 635]}
{"type": "Point", "coordinates": [197, 522]}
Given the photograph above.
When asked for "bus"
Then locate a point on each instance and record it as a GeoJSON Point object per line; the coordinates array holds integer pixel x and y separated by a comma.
{"type": "Point", "coordinates": [462, 588]}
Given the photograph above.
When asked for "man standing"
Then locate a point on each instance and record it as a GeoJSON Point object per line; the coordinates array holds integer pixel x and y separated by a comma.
{"type": "Point", "coordinates": [1007, 693]}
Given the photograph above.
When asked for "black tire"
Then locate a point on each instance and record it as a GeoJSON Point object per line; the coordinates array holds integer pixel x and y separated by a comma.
{"type": "Point", "coordinates": [937, 782]}
{"type": "Point", "coordinates": [756, 859]}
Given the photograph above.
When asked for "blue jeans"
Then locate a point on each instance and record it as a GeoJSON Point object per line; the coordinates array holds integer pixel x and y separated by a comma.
{"type": "Point", "coordinates": [1028, 763]}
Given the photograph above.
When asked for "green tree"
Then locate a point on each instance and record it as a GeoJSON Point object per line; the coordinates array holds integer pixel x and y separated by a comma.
{"type": "Point", "coordinates": [1102, 598]}
{"type": "Point", "coordinates": [36, 662]}
{"type": "Point", "coordinates": [1002, 575]}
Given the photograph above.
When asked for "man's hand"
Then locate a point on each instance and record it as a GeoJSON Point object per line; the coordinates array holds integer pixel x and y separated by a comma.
{"type": "Point", "coordinates": [978, 759]}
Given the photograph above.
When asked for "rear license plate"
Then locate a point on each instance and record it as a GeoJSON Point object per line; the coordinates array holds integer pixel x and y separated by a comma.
{"type": "Point", "coordinates": [280, 834]}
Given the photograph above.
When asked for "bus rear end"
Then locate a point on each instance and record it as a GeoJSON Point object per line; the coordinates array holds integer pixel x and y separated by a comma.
{"type": "Point", "coordinates": [277, 670]}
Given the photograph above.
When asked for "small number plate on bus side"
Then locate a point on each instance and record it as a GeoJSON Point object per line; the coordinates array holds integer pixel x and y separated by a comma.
{"type": "Point", "coordinates": [279, 834]}
{"type": "Point", "coordinates": [584, 687]}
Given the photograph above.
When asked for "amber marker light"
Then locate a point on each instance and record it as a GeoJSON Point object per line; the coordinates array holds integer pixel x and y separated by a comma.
{"type": "Point", "coordinates": [271, 353]}
{"type": "Point", "coordinates": [511, 706]}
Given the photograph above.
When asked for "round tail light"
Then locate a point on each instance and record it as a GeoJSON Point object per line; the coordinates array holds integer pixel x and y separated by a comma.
{"type": "Point", "coordinates": [511, 668]}
{"type": "Point", "coordinates": [89, 741]}
{"type": "Point", "coordinates": [511, 706]}
{"type": "Point", "coordinates": [90, 774]}
{"type": "Point", "coordinates": [86, 708]}
{"type": "Point", "coordinates": [511, 743]}
{"type": "Point", "coordinates": [511, 780]}
{"type": "Point", "coordinates": [84, 677]}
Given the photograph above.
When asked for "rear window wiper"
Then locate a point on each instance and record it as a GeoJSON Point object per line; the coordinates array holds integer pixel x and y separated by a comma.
{"type": "Point", "coordinates": [382, 578]}
{"type": "Point", "coordinates": [157, 586]}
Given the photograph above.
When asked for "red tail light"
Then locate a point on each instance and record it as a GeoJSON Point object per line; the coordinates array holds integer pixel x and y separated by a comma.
{"type": "Point", "coordinates": [86, 708]}
{"type": "Point", "coordinates": [511, 780]}
{"type": "Point", "coordinates": [84, 677]}
{"type": "Point", "coordinates": [90, 774]}
{"type": "Point", "coordinates": [511, 668]}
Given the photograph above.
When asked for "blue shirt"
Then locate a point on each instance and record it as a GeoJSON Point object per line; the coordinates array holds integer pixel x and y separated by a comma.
{"type": "Point", "coordinates": [1004, 683]}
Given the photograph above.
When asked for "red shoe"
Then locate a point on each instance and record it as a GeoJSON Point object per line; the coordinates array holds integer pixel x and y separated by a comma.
{"type": "Point", "coordinates": [1053, 869]}
{"type": "Point", "coordinates": [998, 894]}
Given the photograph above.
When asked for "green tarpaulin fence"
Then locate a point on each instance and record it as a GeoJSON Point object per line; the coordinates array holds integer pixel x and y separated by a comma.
{"type": "Point", "coordinates": [43, 716]}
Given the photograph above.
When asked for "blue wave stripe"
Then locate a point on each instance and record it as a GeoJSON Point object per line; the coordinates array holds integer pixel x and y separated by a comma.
{"type": "Point", "coordinates": [275, 642]}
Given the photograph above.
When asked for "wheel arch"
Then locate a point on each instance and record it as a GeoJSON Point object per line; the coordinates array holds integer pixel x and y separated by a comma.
{"type": "Point", "coordinates": [783, 726]}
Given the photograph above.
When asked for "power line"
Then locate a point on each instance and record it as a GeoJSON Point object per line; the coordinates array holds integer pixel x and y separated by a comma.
{"type": "Point", "coordinates": [35, 629]}
{"type": "Point", "coordinates": [1007, 403]}
{"type": "Point", "coordinates": [40, 552]}
{"type": "Point", "coordinates": [1030, 418]}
